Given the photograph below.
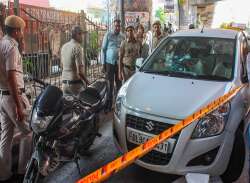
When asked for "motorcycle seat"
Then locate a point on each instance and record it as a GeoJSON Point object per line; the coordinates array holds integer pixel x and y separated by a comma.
{"type": "Point", "coordinates": [100, 86]}
{"type": "Point", "coordinates": [90, 96]}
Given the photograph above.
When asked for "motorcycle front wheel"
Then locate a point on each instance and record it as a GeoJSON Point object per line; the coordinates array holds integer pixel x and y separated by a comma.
{"type": "Point", "coordinates": [88, 135]}
{"type": "Point", "coordinates": [32, 174]}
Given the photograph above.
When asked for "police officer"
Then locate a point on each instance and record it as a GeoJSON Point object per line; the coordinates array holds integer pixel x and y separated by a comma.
{"type": "Point", "coordinates": [73, 63]}
{"type": "Point", "coordinates": [13, 102]}
{"type": "Point", "coordinates": [130, 50]}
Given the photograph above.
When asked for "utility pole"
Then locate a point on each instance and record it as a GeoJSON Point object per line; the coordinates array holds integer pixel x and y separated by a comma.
{"type": "Point", "coordinates": [108, 15]}
{"type": "Point", "coordinates": [84, 28]}
{"type": "Point", "coordinates": [122, 15]}
{"type": "Point", "coordinates": [179, 14]}
{"type": "Point", "coordinates": [16, 7]}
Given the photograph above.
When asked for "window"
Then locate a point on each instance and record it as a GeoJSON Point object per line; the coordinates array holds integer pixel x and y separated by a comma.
{"type": "Point", "coordinates": [193, 57]}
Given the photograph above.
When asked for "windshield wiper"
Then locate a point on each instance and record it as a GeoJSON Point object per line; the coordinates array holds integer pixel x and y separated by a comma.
{"type": "Point", "coordinates": [182, 74]}
{"type": "Point", "coordinates": [213, 77]}
{"type": "Point", "coordinates": [172, 74]}
{"type": "Point", "coordinates": [165, 73]}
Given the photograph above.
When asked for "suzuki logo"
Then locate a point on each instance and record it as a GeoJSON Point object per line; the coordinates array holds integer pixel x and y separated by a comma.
{"type": "Point", "coordinates": [149, 125]}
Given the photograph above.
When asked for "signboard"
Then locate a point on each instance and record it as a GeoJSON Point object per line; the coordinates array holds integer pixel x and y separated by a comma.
{"type": "Point", "coordinates": [137, 17]}
{"type": "Point", "coordinates": [50, 15]}
{"type": "Point", "coordinates": [169, 6]}
{"type": "Point", "coordinates": [137, 5]}
{"type": "Point", "coordinates": [240, 26]}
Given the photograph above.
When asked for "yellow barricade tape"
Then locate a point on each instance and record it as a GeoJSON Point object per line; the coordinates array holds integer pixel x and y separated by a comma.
{"type": "Point", "coordinates": [106, 171]}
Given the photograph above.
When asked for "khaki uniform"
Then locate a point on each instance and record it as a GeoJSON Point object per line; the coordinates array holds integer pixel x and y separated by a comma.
{"type": "Point", "coordinates": [156, 40]}
{"type": "Point", "coordinates": [131, 51]}
{"type": "Point", "coordinates": [10, 59]}
{"type": "Point", "coordinates": [72, 60]}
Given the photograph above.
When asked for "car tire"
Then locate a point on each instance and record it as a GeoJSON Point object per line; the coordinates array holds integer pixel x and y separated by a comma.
{"type": "Point", "coordinates": [237, 159]}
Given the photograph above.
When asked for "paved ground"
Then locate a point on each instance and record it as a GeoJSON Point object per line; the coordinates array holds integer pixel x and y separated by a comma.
{"type": "Point", "coordinates": [102, 152]}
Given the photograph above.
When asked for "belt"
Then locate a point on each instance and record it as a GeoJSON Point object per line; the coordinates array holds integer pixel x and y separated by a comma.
{"type": "Point", "coordinates": [7, 92]}
{"type": "Point", "coordinates": [72, 81]}
{"type": "Point", "coordinates": [129, 67]}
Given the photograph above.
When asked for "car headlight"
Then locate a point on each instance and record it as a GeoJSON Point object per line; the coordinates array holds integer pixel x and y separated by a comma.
{"type": "Point", "coordinates": [213, 123]}
{"type": "Point", "coordinates": [118, 105]}
{"type": "Point", "coordinates": [40, 124]}
{"type": "Point", "coordinates": [120, 99]}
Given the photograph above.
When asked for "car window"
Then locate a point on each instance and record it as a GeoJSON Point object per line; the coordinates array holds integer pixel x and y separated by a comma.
{"type": "Point", "coordinates": [195, 57]}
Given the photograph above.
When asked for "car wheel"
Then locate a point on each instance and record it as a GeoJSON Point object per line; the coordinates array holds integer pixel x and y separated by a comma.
{"type": "Point", "coordinates": [237, 159]}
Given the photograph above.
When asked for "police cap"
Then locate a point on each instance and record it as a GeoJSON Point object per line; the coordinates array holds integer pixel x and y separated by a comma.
{"type": "Point", "coordinates": [76, 30]}
{"type": "Point", "coordinates": [14, 21]}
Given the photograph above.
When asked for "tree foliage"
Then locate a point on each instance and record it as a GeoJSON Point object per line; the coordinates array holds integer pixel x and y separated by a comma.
{"type": "Point", "coordinates": [160, 14]}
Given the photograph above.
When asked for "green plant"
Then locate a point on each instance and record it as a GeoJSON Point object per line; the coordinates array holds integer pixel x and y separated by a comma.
{"type": "Point", "coordinates": [27, 65]}
{"type": "Point", "coordinates": [161, 15]}
{"type": "Point", "coordinates": [93, 37]}
{"type": "Point", "coordinates": [92, 47]}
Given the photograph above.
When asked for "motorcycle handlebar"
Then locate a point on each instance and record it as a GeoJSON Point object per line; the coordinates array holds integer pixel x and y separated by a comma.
{"type": "Point", "coordinates": [39, 82]}
{"type": "Point", "coordinates": [29, 77]}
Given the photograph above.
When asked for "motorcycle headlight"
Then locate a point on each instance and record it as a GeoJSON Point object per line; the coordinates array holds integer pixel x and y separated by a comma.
{"type": "Point", "coordinates": [118, 106]}
{"type": "Point", "coordinates": [213, 123]}
{"type": "Point", "coordinates": [40, 124]}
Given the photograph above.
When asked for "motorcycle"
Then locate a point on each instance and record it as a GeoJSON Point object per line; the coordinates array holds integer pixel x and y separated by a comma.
{"type": "Point", "coordinates": [64, 127]}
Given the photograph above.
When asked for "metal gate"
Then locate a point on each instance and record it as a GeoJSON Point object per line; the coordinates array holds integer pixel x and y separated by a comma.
{"type": "Point", "coordinates": [41, 57]}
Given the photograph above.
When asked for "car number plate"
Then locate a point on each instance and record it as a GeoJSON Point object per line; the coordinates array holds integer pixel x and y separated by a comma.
{"type": "Point", "coordinates": [139, 138]}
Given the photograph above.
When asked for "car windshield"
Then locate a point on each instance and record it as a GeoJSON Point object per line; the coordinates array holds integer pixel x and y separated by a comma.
{"type": "Point", "coordinates": [193, 57]}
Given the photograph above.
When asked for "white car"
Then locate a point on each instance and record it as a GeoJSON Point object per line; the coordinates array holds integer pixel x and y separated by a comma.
{"type": "Point", "coordinates": [185, 72]}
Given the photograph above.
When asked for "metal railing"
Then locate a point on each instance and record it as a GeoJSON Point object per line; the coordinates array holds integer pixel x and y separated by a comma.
{"type": "Point", "coordinates": [39, 61]}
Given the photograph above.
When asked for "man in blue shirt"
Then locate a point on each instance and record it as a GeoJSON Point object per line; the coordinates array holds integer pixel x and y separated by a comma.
{"type": "Point", "coordinates": [110, 48]}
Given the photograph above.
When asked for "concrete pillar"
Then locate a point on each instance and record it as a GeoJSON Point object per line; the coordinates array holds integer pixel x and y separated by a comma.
{"type": "Point", "coordinates": [184, 17]}
{"type": "Point", "coordinates": [122, 15]}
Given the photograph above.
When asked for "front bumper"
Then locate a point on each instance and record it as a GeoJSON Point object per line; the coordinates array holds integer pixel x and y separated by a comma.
{"type": "Point", "coordinates": [185, 150]}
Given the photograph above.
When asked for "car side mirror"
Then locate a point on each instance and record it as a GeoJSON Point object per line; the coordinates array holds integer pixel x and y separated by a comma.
{"type": "Point", "coordinates": [138, 63]}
